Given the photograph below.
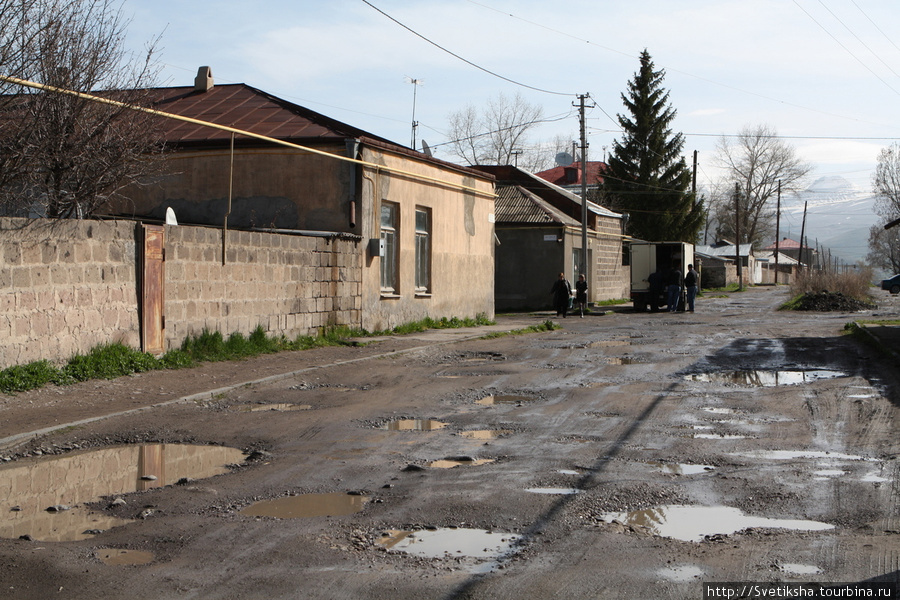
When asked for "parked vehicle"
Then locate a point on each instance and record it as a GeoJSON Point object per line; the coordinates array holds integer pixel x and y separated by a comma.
{"type": "Point", "coordinates": [651, 257]}
{"type": "Point", "coordinates": [892, 285]}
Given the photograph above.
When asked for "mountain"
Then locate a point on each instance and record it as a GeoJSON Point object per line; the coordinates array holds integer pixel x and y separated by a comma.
{"type": "Point", "coordinates": [838, 217]}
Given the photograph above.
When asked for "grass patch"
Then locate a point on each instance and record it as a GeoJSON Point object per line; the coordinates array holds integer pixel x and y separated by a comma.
{"type": "Point", "coordinates": [855, 284]}
{"type": "Point", "coordinates": [547, 325]}
{"type": "Point", "coordinates": [613, 302]}
{"type": "Point", "coordinates": [109, 361]}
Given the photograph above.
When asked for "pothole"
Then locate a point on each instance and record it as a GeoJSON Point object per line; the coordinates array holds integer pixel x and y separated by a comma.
{"type": "Point", "coordinates": [281, 407]}
{"type": "Point", "coordinates": [459, 461]}
{"type": "Point", "coordinates": [40, 500]}
{"type": "Point", "coordinates": [719, 436]}
{"type": "Point", "coordinates": [555, 491]}
{"type": "Point", "coordinates": [119, 556]}
{"type": "Point", "coordinates": [336, 504]}
{"type": "Point", "coordinates": [450, 542]}
{"type": "Point", "coordinates": [504, 399]}
{"type": "Point", "coordinates": [765, 377]}
{"type": "Point", "coordinates": [621, 360]}
{"type": "Point", "coordinates": [485, 434]}
{"type": "Point", "coordinates": [414, 425]}
{"type": "Point", "coordinates": [797, 454]}
{"type": "Point", "coordinates": [681, 574]}
{"type": "Point", "coordinates": [694, 523]}
{"type": "Point", "coordinates": [681, 468]}
{"type": "Point", "coordinates": [800, 569]}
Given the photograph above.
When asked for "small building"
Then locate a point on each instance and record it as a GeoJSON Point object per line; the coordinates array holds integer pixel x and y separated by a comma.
{"type": "Point", "coordinates": [804, 255]}
{"type": "Point", "coordinates": [539, 235]}
{"type": "Point", "coordinates": [568, 176]}
{"type": "Point", "coordinates": [423, 225]}
{"type": "Point", "coordinates": [720, 264]}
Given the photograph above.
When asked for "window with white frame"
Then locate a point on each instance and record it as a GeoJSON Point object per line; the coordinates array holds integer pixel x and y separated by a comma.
{"type": "Point", "coordinates": [390, 217]}
{"type": "Point", "coordinates": [423, 250]}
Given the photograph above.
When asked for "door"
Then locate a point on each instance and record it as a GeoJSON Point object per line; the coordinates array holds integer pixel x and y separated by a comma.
{"type": "Point", "coordinates": [153, 320]}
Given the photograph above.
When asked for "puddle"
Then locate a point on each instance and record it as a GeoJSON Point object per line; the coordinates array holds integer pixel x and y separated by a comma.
{"type": "Point", "coordinates": [826, 473]}
{"type": "Point", "coordinates": [450, 542]}
{"type": "Point", "coordinates": [26, 491]}
{"type": "Point", "coordinates": [798, 569]}
{"type": "Point", "coordinates": [681, 574]}
{"type": "Point", "coordinates": [569, 472]}
{"type": "Point", "coordinates": [485, 434]}
{"type": "Point", "coordinates": [682, 468]}
{"type": "Point", "coordinates": [875, 478]}
{"type": "Point", "coordinates": [795, 454]}
{"type": "Point", "coordinates": [414, 425]}
{"type": "Point", "coordinates": [719, 436]}
{"type": "Point", "coordinates": [449, 463]}
{"type": "Point", "coordinates": [284, 407]}
{"type": "Point", "coordinates": [554, 491]}
{"type": "Point", "coordinates": [503, 399]}
{"type": "Point", "coordinates": [116, 556]}
{"type": "Point", "coordinates": [621, 360]}
{"type": "Point", "coordinates": [609, 344]}
{"type": "Point", "coordinates": [766, 378]}
{"type": "Point", "coordinates": [335, 504]}
{"type": "Point", "coordinates": [693, 523]}
{"type": "Point", "coordinates": [719, 411]}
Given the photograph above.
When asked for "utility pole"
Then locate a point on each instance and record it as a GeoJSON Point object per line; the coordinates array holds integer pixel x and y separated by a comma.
{"type": "Point", "coordinates": [802, 231]}
{"type": "Point", "coordinates": [777, 230]}
{"type": "Point", "coordinates": [694, 178]}
{"type": "Point", "coordinates": [737, 234]}
{"type": "Point", "coordinates": [583, 270]}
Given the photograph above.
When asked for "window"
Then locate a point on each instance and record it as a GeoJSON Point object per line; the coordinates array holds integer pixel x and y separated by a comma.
{"type": "Point", "coordinates": [423, 250]}
{"type": "Point", "coordinates": [389, 235]}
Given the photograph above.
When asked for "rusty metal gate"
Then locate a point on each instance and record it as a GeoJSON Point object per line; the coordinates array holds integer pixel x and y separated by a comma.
{"type": "Point", "coordinates": [153, 320]}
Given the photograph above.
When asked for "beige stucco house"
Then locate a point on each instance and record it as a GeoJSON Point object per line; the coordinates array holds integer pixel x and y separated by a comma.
{"type": "Point", "coordinates": [423, 227]}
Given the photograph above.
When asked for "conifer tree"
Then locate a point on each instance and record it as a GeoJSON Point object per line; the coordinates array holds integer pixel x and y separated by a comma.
{"type": "Point", "coordinates": [646, 175]}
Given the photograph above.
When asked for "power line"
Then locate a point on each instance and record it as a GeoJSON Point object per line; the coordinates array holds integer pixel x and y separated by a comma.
{"type": "Point", "coordinates": [468, 62]}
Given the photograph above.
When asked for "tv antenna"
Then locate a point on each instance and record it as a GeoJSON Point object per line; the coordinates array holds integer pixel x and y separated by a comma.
{"type": "Point", "coordinates": [416, 83]}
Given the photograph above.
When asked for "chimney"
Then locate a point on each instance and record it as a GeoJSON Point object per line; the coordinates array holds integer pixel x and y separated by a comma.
{"type": "Point", "coordinates": [203, 82]}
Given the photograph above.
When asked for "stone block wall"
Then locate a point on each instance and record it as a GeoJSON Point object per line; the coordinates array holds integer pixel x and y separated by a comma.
{"type": "Point", "coordinates": [65, 287]}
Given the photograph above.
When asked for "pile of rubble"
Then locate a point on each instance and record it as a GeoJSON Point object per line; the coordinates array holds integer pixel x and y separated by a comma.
{"type": "Point", "coordinates": [832, 301]}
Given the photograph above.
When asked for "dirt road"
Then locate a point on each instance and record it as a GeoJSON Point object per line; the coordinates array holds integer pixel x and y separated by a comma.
{"type": "Point", "coordinates": [623, 456]}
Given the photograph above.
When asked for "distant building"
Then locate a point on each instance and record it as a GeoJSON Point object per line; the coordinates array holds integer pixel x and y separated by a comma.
{"type": "Point", "coordinates": [568, 177]}
{"type": "Point", "coordinates": [806, 256]}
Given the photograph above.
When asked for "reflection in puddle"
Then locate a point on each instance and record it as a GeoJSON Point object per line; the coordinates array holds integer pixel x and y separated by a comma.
{"type": "Point", "coordinates": [765, 378]}
{"type": "Point", "coordinates": [503, 399]}
{"type": "Point", "coordinates": [485, 434]}
{"type": "Point", "coordinates": [116, 556]}
{"type": "Point", "coordinates": [875, 478]}
{"type": "Point", "coordinates": [682, 468]}
{"type": "Point", "coordinates": [795, 454]}
{"type": "Point", "coordinates": [693, 523]}
{"type": "Point", "coordinates": [825, 473]}
{"type": "Point", "coordinates": [681, 574]}
{"type": "Point", "coordinates": [569, 472]}
{"type": "Point", "coordinates": [719, 411]}
{"type": "Point", "coordinates": [452, 542]}
{"type": "Point", "coordinates": [86, 477]}
{"type": "Point", "coordinates": [414, 425]}
{"type": "Point", "coordinates": [553, 491]}
{"type": "Point", "coordinates": [449, 463]}
{"type": "Point", "coordinates": [621, 360]}
{"type": "Point", "coordinates": [307, 505]}
{"type": "Point", "coordinates": [283, 407]}
{"type": "Point", "coordinates": [719, 436]}
{"type": "Point", "coordinates": [798, 569]}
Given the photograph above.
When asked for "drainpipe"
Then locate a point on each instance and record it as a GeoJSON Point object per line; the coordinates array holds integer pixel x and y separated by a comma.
{"type": "Point", "coordinates": [230, 189]}
{"type": "Point", "coordinates": [352, 150]}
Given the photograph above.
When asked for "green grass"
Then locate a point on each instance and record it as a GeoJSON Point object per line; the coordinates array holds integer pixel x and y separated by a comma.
{"type": "Point", "coordinates": [613, 302]}
{"type": "Point", "coordinates": [109, 361]}
{"type": "Point", "coordinates": [547, 325]}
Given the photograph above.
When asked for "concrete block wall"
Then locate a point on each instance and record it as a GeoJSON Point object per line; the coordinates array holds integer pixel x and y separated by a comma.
{"type": "Point", "coordinates": [288, 284]}
{"type": "Point", "coordinates": [65, 287]}
{"type": "Point", "coordinates": [612, 279]}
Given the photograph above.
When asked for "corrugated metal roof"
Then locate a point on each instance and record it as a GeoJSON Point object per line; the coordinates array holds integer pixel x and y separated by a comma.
{"type": "Point", "coordinates": [515, 204]}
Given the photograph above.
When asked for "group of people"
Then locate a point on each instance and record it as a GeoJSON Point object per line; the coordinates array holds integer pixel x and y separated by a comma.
{"type": "Point", "coordinates": [670, 282]}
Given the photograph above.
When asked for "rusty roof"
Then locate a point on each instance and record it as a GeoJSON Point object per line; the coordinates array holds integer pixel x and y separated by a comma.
{"type": "Point", "coordinates": [244, 107]}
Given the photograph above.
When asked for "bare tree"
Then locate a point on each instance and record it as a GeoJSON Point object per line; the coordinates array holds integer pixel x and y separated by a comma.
{"type": "Point", "coordinates": [884, 248]}
{"type": "Point", "coordinates": [496, 134]}
{"type": "Point", "coordinates": [68, 154]}
{"type": "Point", "coordinates": [886, 182]}
{"type": "Point", "coordinates": [756, 160]}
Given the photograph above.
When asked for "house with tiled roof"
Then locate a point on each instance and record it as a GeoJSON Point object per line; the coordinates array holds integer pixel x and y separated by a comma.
{"type": "Point", "coordinates": [569, 176]}
{"type": "Point", "coordinates": [803, 254]}
{"type": "Point", "coordinates": [539, 234]}
{"type": "Point", "coordinates": [419, 225]}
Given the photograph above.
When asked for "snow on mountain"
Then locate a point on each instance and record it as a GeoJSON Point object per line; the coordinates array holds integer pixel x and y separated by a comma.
{"type": "Point", "coordinates": [838, 217]}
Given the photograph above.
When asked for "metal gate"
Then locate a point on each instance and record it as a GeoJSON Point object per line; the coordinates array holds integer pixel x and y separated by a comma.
{"type": "Point", "coordinates": [153, 320]}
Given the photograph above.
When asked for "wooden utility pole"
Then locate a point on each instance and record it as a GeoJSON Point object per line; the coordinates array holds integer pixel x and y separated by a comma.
{"type": "Point", "coordinates": [584, 200]}
{"type": "Point", "coordinates": [737, 234]}
{"type": "Point", "coordinates": [777, 230]}
{"type": "Point", "coordinates": [802, 231]}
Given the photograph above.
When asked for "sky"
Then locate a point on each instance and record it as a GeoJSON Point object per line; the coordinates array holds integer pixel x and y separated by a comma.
{"type": "Point", "coordinates": [824, 74]}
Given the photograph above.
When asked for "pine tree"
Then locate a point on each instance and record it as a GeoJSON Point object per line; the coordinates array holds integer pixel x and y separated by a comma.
{"type": "Point", "coordinates": [646, 175]}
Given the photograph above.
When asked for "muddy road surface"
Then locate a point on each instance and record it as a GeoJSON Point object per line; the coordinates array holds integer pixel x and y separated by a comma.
{"type": "Point", "coordinates": [622, 456]}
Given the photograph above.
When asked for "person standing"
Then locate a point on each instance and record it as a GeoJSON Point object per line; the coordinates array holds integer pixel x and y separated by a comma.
{"type": "Point", "coordinates": [581, 294]}
{"type": "Point", "coordinates": [561, 291]}
{"type": "Point", "coordinates": [675, 282]}
{"type": "Point", "coordinates": [692, 286]}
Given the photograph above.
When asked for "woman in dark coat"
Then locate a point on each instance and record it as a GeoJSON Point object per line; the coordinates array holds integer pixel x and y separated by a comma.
{"type": "Point", "coordinates": [562, 291]}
